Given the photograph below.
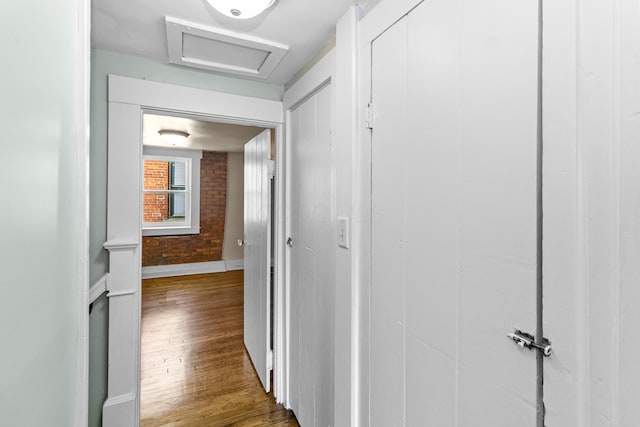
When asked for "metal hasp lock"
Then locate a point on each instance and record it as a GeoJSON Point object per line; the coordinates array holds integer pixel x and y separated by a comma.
{"type": "Point", "coordinates": [526, 340]}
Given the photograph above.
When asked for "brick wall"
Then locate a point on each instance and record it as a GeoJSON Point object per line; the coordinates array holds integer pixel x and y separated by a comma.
{"type": "Point", "coordinates": [206, 246]}
{"type": "Point", "coordinates": [156, 177]}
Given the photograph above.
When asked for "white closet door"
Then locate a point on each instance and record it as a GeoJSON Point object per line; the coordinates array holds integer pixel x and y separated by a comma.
{"type": "Point", "coordinates": [257, 254]}
{"type": "Point", "coordinates": [453, 216]}
{"type": "Point", "coordinates": [312, 264]}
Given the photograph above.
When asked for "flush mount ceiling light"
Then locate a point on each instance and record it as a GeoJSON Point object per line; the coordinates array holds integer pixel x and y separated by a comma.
{"type": "Point", "coordinates": [241, 9]}
{"type": "Point", "coordinates": [174, 137]}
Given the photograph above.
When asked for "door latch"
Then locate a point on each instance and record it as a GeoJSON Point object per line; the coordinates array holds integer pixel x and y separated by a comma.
{"type": "Point", "coordinates": [526, 340]}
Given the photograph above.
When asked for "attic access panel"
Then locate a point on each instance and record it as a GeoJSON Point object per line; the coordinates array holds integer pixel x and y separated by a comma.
{"type": "Point", "coordinates": [216, 49]}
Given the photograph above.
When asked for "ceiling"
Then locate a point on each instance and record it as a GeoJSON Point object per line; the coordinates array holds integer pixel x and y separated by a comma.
{"type": "Point", "coordinates": [137, 27]}
{"type": "Point", "coordinates": [203, 135]}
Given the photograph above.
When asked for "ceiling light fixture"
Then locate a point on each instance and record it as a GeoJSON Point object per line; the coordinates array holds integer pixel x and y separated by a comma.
{"type": "Point", "coordinates": [241, 9]}
{"type": "Point", "coordinates": [174, 137]}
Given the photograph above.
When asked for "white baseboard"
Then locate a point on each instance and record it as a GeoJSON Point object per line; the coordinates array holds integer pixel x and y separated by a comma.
{"type": "Point", "coordinates": [191, 268]}
{"type": "Point", "coordinates": [234, 264]}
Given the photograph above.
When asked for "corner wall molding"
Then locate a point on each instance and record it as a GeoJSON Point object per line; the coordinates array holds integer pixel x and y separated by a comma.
{"type": "Point", "coordinates": [171, 270]}
{"type": "Point", "coordinates": [120, 244]}
{"type": "Point", "coordinates": [121, 293]}
{"type": "Point", "coordinates": [98, 288]}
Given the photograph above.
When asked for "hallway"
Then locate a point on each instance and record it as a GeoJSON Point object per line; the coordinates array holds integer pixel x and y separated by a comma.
{"type": "Point", "coordinates": [194, 369]}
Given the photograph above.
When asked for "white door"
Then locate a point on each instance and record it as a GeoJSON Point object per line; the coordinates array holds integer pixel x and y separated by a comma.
{"type": "Point", "coordinates": [312, 261]}
{"type": "Point", "coordinates": [257, 254]}
{"type": "Point", "coordinates": [454, 216]}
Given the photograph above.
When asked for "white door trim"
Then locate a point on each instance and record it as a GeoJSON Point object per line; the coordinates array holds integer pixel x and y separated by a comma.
{"type": "Point", "coordinates": [81, 101]}
{"type": "Point", "coordinates": [128, 99]}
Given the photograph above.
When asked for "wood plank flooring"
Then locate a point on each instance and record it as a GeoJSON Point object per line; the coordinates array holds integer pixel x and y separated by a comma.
{"type": "Point", "coordinates": [195, 370]}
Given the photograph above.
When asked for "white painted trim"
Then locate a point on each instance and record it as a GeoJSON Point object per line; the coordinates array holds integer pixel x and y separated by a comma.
{"type": "Point", "coordinates": [120, 244]}
{"type": "Point", "coordinates": [81, 99]}
{"type": "Point", "coordinates": [193, 158]}
{"type": "Point", "coordinates": [186, 269]}
{"type": "Point", "coordinates": [234, 264]}
{"type": "Point", "coordinates": [168, 97]}
{"type": "Point", "coordinates": [382, 16]}
{"type": "Point", "coordinates": [312, 81]}
{"type": "Point", "coordinates": [347, 391]}
{"type": "Point", "coordinates": [98, 288]}
{"type": "Point", "coordinates": [280, 315]}
{"type": "Point", "coordinates": [128, 100]}
{"type": "Point", "coordinates": [121, 293]}
{"type": "Point", "coordinates": [285, 158]}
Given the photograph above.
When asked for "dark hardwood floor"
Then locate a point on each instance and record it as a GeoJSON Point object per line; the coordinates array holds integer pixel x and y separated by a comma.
{"type": "Point", "coordinates": [195, 370]}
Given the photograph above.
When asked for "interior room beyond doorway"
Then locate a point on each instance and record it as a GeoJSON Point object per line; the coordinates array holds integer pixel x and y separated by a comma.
{"type": "Point", "coordinates": [192, 327]}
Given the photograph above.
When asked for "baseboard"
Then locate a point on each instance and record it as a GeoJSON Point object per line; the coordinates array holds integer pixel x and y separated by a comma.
{"type": "Point", "coordinates": [234, 264]}
{"type": "Point", "coordinates": [190, 268]}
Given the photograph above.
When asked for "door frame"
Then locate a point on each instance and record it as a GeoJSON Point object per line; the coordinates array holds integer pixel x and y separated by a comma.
{"type": "Point", "coordinates": [128, 100]}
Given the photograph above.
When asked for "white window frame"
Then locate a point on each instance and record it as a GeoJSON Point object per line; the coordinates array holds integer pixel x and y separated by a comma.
{"type": "Point", "coordinates": [191, 225]}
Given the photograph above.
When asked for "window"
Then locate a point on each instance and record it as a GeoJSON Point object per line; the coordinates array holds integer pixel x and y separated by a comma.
{"type": "Point", "coordinates": [171, 192]}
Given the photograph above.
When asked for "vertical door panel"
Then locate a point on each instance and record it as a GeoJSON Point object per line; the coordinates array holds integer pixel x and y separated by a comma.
{"type": "Point", "coordinates": [498, 157]}
{"type": "Point", "coordinates": [389, 230]}
{"type": "Point", "coordinates": [433, 198]}
{"type": "Point", "coordinates": [312, 261]}
{"type": "Point", "coordinates": [257, 256]}
{"type": "Point", "coordinates": [453, 215]}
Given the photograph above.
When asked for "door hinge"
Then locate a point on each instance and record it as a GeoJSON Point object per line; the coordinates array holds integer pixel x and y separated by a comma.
{"type": "Point", "coordinates": [369, 118]}
{"type": "Point", "coordinates": [526, 340]}
{"type": "Point", "coordinates": [270, 360]}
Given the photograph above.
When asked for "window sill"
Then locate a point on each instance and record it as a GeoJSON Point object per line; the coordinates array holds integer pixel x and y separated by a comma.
{"type": "Point", "coordinates": [170, 231]}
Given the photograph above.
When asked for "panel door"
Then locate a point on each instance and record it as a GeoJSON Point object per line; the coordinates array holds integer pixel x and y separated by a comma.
{"type": "Point", "coordinates": [312, 262]}
{"type": "Point", "coordinates": [257, 254]}
{"type": "Point", "coordinates": [453, 216]}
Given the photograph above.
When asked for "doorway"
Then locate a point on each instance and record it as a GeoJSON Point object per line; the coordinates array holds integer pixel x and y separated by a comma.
{"type": "Point", "coordinates": [194, 184]}
{"type": "Point", "coordinates": [128, 100]}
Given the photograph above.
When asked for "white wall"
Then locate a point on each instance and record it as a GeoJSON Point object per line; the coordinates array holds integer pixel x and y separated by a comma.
{"type": "Point", "coordinates": [44, 117]}
{"type": "Point", "coordinates": [234, 221]}
{"type": "Point", "coordinates": [592, 205]}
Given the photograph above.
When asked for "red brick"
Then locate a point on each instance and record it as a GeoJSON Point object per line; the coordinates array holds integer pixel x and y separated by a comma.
{"type": "Point", "coordinates": [203, 247]}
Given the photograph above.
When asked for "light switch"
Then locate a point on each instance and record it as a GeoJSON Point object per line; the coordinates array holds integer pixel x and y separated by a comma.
{"type": "Point", "coordinates": [343, 232]}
